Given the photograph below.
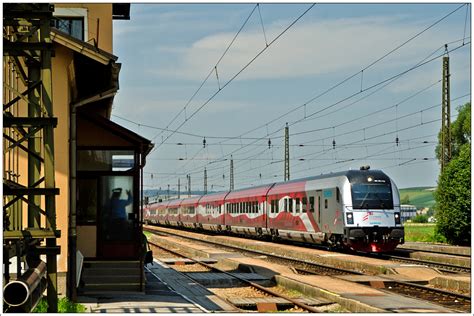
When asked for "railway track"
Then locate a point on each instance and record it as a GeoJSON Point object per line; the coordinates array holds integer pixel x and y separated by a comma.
{"type": "Point", "coordinates": [402, 250]}
{"type": "Point", "coordinates": [444, 267]}
{"type": "Point", "coordinates": [455, 301]}
{"type": "Point", "coordinates": [298, 305]}
{"type": "Point", "coordinates": [303, 266]}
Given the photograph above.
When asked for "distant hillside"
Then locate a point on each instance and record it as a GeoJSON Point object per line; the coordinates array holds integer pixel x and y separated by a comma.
{"type": "Point", "coordinates": [421, 197]}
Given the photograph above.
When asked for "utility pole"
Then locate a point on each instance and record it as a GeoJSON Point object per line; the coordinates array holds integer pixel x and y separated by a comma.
{"type": "Point", "coordinates": [445, 116]}
{"type": "Point", "coordinates": [205, 181]}
{"type": "Point", "coordinates": [189, 185]}
{"type": "Point", "coordinates": [179, 189]}
{"type": "Point", "coordinates": [231, 173]}
{"type": "Point", "coordinates": [168, 192]}
{"type": "Point", "coordinates": [287, 153]}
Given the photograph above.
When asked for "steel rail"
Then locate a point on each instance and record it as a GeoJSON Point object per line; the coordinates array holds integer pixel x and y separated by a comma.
{"type": "Point", "coordinates": [250, 283]}
{"type": "Point", "coordinates": [437, 265]}
{"type": "Point", "coordinates": [432, 251]}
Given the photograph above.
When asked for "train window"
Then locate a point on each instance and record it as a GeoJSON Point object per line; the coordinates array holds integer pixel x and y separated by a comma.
{"type": "Point", "coordinates": [325, 203]}
{"type": "Point", "coordinates": [311, 204]}
{"type": "Point", "coordinates": [286, 205]}
{"type": "Point", "coordinates": [298, 205]}
{"type": "Point", "coordinates": [337, 195]}
{"type": "Point", "coordinates": [305, 204]}
{"type": "Point", "coordinates": [290, 205]}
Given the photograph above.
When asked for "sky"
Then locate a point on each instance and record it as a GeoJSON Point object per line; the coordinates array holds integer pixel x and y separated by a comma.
{"type": "Point", "coordinates": [349, 79]}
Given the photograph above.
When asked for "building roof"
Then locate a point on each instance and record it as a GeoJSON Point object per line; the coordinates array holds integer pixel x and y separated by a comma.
{"type": "Point", "coordinates": [82, 47]}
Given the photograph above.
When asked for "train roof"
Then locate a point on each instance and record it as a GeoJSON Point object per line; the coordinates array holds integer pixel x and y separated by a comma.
{"type": "Point", "coordinates": [219, 196]}
{"type": "Point", "coordinates": [249, 192]}
{"type": "Point", "coordinates": [275, 188]}
{"type": "Point", "coordinates": [191, 201]}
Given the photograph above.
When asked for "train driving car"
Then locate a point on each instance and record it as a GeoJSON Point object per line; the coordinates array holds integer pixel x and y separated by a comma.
{"type": "Point", "coordinates": [211, 211]}
{"type": "Point", "coordinates": [188, 210]}
{"type": "Point", "coordinates": [355, 209]}
{"type": "Point", "coordinates": [245, 210]}
{"type": "Point", "coordinates": [371, 211]}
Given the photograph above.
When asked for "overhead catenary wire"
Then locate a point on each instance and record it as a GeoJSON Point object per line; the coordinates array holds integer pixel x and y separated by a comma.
{"type": "Point", "coordinates": [237, 74]}
{"type": "Point", "coordinates": [229, 138]}
{"type": "Point", "coordinates": [214, 68]}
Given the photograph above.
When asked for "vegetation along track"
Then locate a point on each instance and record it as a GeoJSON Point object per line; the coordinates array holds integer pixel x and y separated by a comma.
{"type": "Point", "coordinates": [299, 305]}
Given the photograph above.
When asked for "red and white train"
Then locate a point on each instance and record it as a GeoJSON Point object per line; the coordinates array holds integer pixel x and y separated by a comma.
{"type": "Point", "coordinates": [355, 209]}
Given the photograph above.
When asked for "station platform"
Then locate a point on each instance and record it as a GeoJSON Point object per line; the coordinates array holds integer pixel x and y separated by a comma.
{"type": "Point", "coordinates": [348, 293]}
{"type": "Point", "coordinates": [166, 291]}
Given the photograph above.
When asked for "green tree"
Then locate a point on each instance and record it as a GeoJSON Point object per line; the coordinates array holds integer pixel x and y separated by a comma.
{"type": "Point", "coordinates": [453, 195]}
{"type": "Point", "coordinates": [405, 199]}
{"type": "Point", "coordinates": [460, 131]}
{"type": "Point", "coordinates": [453, 199]}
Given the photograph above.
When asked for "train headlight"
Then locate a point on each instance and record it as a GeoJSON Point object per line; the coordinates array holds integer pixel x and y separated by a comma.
{"type": "Point", "coordinates": [397, 218]}
{"type": "Point", "coordinates": [350, 218]}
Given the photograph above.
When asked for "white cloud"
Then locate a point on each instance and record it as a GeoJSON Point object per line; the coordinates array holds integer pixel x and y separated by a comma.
{"type": "Point", "coordinates": [314, 48]}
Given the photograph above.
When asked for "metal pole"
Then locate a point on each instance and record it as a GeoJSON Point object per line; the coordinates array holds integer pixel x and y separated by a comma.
{"type": "Point", "coordinates": [287, 153]}
{"type": "Point", "coordinates": [179, 189]}
{"type": "Point", "coordinates": [49, 171]}
{"type": "Point", "coordinates": [205, 181]}
{"type": "Point", "coordinates": [445, 117]}
{"type": "Point", "coordinates": [231, 173]}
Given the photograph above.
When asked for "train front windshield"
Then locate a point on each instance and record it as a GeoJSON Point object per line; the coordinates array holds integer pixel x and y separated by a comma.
{"type": "Point", "coordinates": [372, 196]}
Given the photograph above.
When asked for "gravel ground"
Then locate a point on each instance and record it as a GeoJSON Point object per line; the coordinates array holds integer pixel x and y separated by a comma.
{"type": "Point", "coordinates": [240, 292]}
{"type": "Point", "coordinates": [190, 268]}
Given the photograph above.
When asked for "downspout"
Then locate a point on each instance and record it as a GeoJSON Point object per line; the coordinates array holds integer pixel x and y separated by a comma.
{"type": "Point", "coordinates": [72, 288]}
{"type": "Point", "coordinates": [140, 221]}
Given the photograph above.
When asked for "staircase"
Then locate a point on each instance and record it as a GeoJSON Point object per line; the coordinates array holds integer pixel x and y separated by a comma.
{"type": "Point", "coordinates": [110, 276]}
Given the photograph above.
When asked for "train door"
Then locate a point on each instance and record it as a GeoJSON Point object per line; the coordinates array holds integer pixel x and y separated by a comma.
{"type": "Point", "coordinates": [317, 215]}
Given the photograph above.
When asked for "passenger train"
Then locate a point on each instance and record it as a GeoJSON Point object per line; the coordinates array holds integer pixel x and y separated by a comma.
{"type": "Point", "coordinates": [354, 209]}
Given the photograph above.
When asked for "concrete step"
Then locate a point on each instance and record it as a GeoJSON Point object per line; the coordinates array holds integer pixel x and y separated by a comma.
{"type": "Point", "coordinates": [107, 264]}
{"type": "Point", "coordinates": [111, 279]}
{"type": "Point", "coordinates": [113, 276]}
{"type": "Point", "coordinates": [110, 287]}
{"type": "Point", "coordinates": [116, 271]}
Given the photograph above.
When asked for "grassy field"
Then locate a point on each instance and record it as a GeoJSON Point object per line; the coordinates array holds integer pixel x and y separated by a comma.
{"type": "Point", "coordinates": [421, 232]}
{"type": "Point", "coordinates": [420, 197]}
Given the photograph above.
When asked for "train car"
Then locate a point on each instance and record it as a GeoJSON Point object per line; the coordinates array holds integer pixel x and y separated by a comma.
{"type": "Point", "coordinates": [245, 210]}
{"type": "Point", "coordinates": [354, 209]}
{"type": "Point", "coordinates": [188, 212]}
{"type": "Point", "coordinates": [172, 212]}
{"type": "Point", "coordinates": [211, 211]}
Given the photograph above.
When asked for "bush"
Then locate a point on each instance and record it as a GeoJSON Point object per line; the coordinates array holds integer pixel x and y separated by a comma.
{"type": "Point", "coordinates": [453, 199]}
{"type": "Point", "coordinates": [420, 219]}
{"type": "Point", "coordinates": [64, 306]}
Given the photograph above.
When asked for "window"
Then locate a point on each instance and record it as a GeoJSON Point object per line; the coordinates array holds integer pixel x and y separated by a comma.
{"type": "Point", "coordinates": [325, 203]}
{"type": "Point", "coordinates": [311, 204]}
{"type": "Point", "coordinates": [286, 205]}
{"type": "Point", "coordinates": [105, 160]}
{"type": "Point", "coordinates": [298, 205]}
{"type": "Point", "coordinates": [305, 204]}
{"type": "Point", "coordinates": [73, 26]}
{"type": "Point", "coordinates": [337, 195]}
{"type": "Point", "coordinates": [375, 196]}
{"type": "Point", "coordinates": [290, 205]}
{"type": "Point", "coordinates": [86, 201]}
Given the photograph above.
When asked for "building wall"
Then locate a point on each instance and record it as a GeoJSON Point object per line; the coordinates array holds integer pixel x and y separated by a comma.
{"type": "Point", "coordinates": [96, 13]}
{"type": "Point", "coordinates": [16, 160]}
